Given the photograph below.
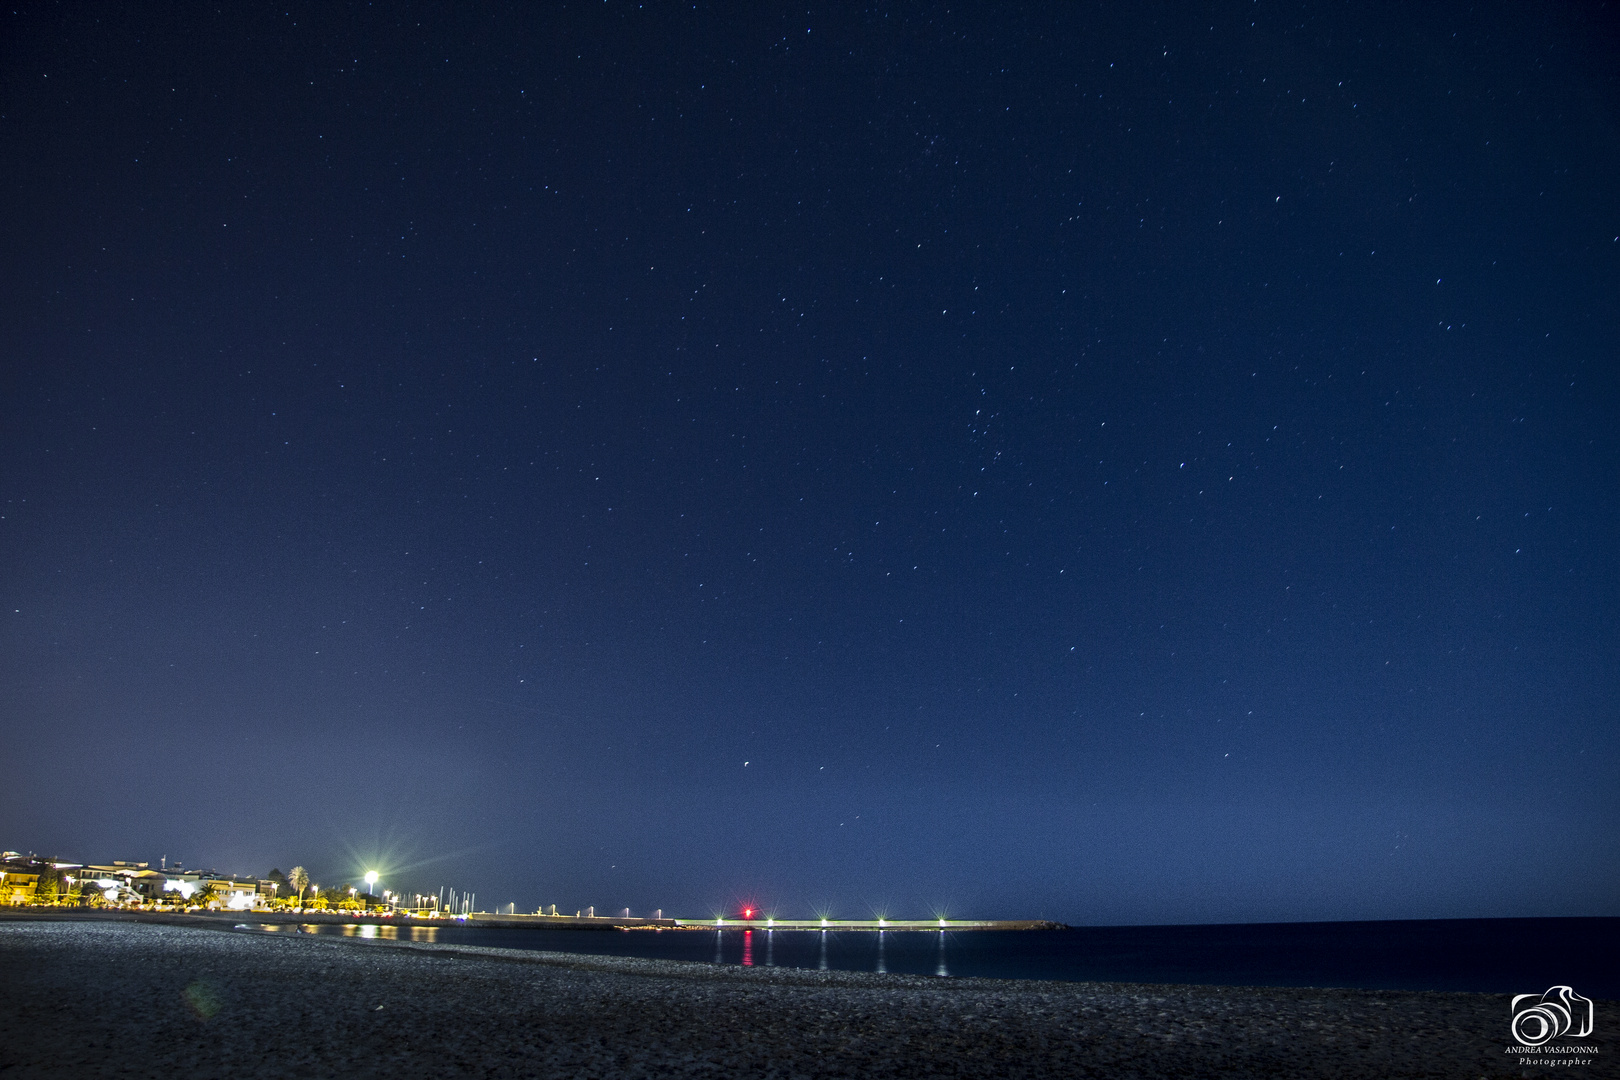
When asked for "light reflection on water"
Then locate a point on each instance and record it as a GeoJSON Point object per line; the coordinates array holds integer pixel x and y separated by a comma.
{"type": "Point", "coordinates": [1450, 955]}
{"type": "Point", "coordinates": [878, 947]}
{"type": "Point", "coordinates": [882, 951]}
{"type": "Point", "coordinates": [359, 930]}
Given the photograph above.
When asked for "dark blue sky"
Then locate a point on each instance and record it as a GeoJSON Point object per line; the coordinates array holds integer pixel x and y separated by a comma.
{"type": "Point", "coordinates": [1122, 464]}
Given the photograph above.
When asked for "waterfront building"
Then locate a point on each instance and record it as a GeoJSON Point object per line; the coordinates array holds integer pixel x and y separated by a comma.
{"type": "Point", "coordinates": [18, 886]}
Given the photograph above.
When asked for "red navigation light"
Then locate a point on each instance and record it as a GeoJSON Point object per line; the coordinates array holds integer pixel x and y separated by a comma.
{"type": "Point", "coordinates": [748, 913]}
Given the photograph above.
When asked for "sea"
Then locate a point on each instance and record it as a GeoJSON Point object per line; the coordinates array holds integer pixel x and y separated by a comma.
{"type": "Point", "coordinates": [1499, 956]}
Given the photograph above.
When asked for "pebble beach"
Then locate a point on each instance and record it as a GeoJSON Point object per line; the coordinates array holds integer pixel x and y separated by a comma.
{"type": "Point", "coordinates": [128, 999]}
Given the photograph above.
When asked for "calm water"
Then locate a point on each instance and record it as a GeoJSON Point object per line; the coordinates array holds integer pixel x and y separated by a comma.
{"type": "Point", "coordinates": [1485, 955]}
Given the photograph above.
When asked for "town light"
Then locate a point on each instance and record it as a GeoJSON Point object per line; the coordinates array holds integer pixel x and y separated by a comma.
{"type": "Point", "coordinates": [371, 879]}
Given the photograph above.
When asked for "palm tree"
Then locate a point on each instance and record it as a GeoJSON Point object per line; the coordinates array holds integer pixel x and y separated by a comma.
{"type": "Point", "coordinates": [298, 878]}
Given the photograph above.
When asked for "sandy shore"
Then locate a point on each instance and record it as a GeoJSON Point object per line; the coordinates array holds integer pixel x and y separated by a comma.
{"type": "Point", "coordinates": [128, 999]}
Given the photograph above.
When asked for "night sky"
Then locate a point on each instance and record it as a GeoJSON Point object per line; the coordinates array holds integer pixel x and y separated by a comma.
{"type": "Point", "coordinates": [1114, 463]}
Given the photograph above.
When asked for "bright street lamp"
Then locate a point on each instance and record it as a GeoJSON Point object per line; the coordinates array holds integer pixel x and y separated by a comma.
{"type": "Point", "coordinates": [371, 879]}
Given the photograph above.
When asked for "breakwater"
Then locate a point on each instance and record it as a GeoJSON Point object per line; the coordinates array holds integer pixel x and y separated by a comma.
{"type": "Point", "coordinates": [494, 920]}
{"type": "Point", "coordinates": [609, 922]}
